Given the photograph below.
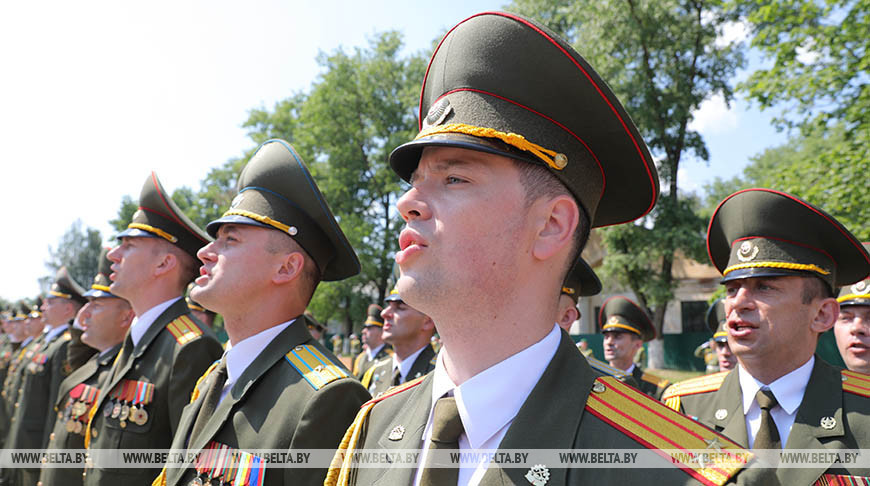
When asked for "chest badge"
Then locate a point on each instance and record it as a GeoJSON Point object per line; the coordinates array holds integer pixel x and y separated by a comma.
{"type": "Point", "coordinates": [397, 433]}
{"type": "Point", "coordinates": [721, 414]}
{"type": "Point", "coordinates": [538, 475]}
{"type": "Point", "coordinates": [828, 423]}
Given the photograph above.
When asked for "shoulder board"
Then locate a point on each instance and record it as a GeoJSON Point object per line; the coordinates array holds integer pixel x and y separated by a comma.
{"type": "Point", "coordinates": [605, 368]}
{"type": "Point", "coordinates": [396, 390]}
{"type": "Point", "coordinates": [367, 376]}
{"type": "Point", "coordinates": [655, 380]}
{"type": "Point", "coordinates": [184, 330]}
{"type": "Point", "coordinates": [316, 368]}
{"type": "Point", "coordinates": [701, 384]}
{"type": "Point", "coordinates": [655, 426]}
{"type": "Point", "coordinates": [856, 383]}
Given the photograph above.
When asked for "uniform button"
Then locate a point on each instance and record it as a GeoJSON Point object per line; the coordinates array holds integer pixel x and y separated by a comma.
{"type": "Point", "coordinates": [16, 404]}
{"type": "Point", "coordinates": [51, 437]}
{"type": "Point", "coordinates": [39, 483]}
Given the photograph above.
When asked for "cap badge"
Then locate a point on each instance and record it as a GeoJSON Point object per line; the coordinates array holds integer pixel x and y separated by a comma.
{"type": "Point", "coordinates": [613, 320]}
{"type": "Point", "coordinates": [538, 475]}
{"type": "Point", "coordinates": [237, 200]}
{"type": "Point", "coordinates": [437, 113]}
{"type": "Point", "coordinates": [721, 414]}
{"type": "Point", "coordinates": [861, 288]}
{"type": "Point", "coordinates": [138, 214]}
{"type": "Point", "coordinates": [397, 433]}
{"type": "Point", "coordinates": [828, 423]}
{"type": "Point", "coordinates": [747, 252]}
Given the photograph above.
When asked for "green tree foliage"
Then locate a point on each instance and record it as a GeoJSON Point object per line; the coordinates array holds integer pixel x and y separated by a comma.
{"type": "Point", "coordinates": [814, 168]}
{"type": "Point", "coordinates": [125, 214]}
{"type": "Point", "coordinates": [820, 53]}
{"type": "Point", "coordinates": [79, 251]}
{"type": "Point", "coordinates": [663, 59]}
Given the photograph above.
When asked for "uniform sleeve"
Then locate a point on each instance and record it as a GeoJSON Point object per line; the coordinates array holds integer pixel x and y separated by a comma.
{"type": "Point", "coordinates": [59, 372]}
{"type": "Point", "coordinates": [191, 361]}
{"type": "Point", "coordinates": [323, 423]}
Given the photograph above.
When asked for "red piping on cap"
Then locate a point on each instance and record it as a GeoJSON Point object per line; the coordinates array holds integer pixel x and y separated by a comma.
{"type": "Point", "coordinates": [172, 216]}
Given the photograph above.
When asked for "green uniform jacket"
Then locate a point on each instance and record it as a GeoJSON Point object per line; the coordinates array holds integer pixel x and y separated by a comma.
{"type": "Point", "coordinates": [173, 366]}
{"type": "Point", "coordinates": [12, 385]}
{"type": "Point", "coordinates": [648, 383]}
{"type": "Point", "coordinates": [555, 415]}
{"type": "Point", "coordinates": [34, 415]}
{"type": "Point", "coordinates": [8, 352]}
{"type": "Point", "coordinates": [273, 406]}
{"type": "Point", "coordinates": [379, 377]}
{"type": "Point", "coordinates": [92, 373]}
{"type": "Point", "coordinates": [362, 364]}
{"type": "Point", "coordinates": [824, 397]}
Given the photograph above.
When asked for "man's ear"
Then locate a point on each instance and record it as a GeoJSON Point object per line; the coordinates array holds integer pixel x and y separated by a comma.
{"type": "Point", "coordinates": [168, 261]}
{"type": "Point", "coordinates": [558, 219]}
{"type": "Point", "coordinates": [826, 315]}
{"type": "Point", "coordinates": [290, 268]}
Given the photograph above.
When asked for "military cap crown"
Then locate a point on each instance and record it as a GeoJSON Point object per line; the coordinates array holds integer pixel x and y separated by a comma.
{"type": "Point", "coordinates": [766, 233]}
{"type": "Point", "coordinates": [373, 316]}
{"type": "Point", "coordinates": [857, 293]}
{"type": "Point", "coordinates": [100, 287]}
{"type": "Point", "coordinates": [275, 190]}
{"type": "Point", "coordinates": [581, 281]}
{"type": "Point", "coordinates": [502, 84]}
{"type": "Point", "coordinates": [159, 217]}
{"type": "Point", "coordinates": [65, 287]}
{"type": "Point", "coordinates": [619, 314]}
{"type": "Point", "coordinates": [716, 320]}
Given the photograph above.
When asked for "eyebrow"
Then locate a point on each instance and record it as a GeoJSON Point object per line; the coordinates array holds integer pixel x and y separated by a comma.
{"type": "Point", "coordinates": [442, 165]}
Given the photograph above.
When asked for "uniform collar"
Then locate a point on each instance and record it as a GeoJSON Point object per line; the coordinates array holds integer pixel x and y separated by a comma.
{"type": "Point", "coordinates": [490, 400]}
{"type": "Point", "coordinates": [406, 364]}
{"type": "Point", "coordinates": [243, 353]}
{"type": "Point", "coordinates": [55, 332]}
{"type": "Point", "coordinates": [788, 389]}
{"type": "Point", "coordinates": [141, 323]}
{"type": "Point", "coordinates": [371, 353]}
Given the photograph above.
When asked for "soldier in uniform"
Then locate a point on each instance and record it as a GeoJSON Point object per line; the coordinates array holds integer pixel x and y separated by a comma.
{"type": "Point", "coordinates": [374, 347]}
{"type": "Point", "coordinates": [626, 327]}
{"type": "Point", "coordinates": [852, 329]}
{"type": "Point", "coordinates": [781, 259]}
{"type": "Point", "coordinates": [202, 314]}
{"type": "Point", "coordinates": [34, 416]}
{"type": "Point", "coordinates": [410, 332]}
{"type": "Point", "coordinates": [8, 351]}
{"type": "Point", "coordinates": [518, 135]}
{"type": "Point", "coordinates": [315, 328]}
{"type": "Point", "coordinates": [717, 321]}
{"type": "Point", "coordinates": [166, 348]}
{"type": "Point", "coordinates": [276, 387]}
{"type": "Point", "coordinates": [105, 320]}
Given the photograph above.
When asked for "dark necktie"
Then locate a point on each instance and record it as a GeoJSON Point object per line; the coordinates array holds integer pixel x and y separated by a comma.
{"type": "Point", "coordinates": [446, 429]}
{"type": "Point", "coordinates": [397, 377]}
{"type": "Point", "coordinates": [767, 436]}
{"type": "Point", "coordinates": [218, 378]}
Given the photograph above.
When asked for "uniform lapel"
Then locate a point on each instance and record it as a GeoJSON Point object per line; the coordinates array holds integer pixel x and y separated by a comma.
{"type": "Point", "coordinates": [84, 372]}
{"type": "Point", "coordinates": [411, 420]}
{"type": "Point", "coordinates": [550, 417]}
{"type": "Point", "coordinates": [421, 364]}
{"type": "Point", "coordinates": [823, 399]}
{"type": "Point", "coordinates": [294, 335]}
{"type": "Point", "coordinates": [728, 416]}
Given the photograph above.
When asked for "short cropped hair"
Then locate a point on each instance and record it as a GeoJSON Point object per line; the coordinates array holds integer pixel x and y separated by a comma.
{"type": "Point", "coordinates": [311, 276]}
{"type": "Point", "coordinates": [815, 288]}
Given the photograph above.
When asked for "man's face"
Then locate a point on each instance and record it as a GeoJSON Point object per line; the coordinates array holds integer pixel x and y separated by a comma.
{"type": "Point", "coordinates": [465, 228]}
{"type": "Point", "coordinates": [372, 336]}
{"type": "Point", "coordinates": [767, 320]}
{"type": "Point", "coordinates": [101, 319]}
{"type": "Point", "coordinates": [235, 267]}
{"type": "Point", "coordinates": [852, 331]}
{"type": "Point", "coordinates": [56, 311]}
{"type": "Point", "coordinates": [727, 360]}
{"type": "Point", "coordinates": [402, 322]}
{"type": "Point", "coordinates": [34, 325]}
{"type": "Point", "coordinates": [620, 347]}
{"type": "Point", "coordinates": [133, 262]}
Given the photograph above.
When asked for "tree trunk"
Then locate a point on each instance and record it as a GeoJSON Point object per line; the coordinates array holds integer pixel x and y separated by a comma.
{"type": "Point", "coordinates": [656, 353]}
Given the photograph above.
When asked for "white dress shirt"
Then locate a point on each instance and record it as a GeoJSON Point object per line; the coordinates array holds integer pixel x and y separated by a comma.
{"type": "Point", "coordinates": [140, 324]}
{"type": "Point", "coordinates": [789, 392]}
{"type": "Point", "coordinates": [55, 332]}
{"type": "Point", "coordinates": [371, 353]}
{"type": "Point", "coordinates": [489, 401]}
{"type": "Point", "coordinates": [243, 353]}
{"type": "Point", "coordinates": [405, 365]}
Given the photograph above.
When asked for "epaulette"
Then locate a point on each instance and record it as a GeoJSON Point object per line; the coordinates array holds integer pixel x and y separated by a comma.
{"type": "Point", "coordinates": [195, 393]}
{"type": "Point", "coordinates": [605, 368]}
{"type": "Point", "coordinates": [856, 383]}
{"type": "Point", "coordinates": [184, 330]}
{"type": "Point", "coordinates": [655, 426]}
{"type": "Point", "coordinates": [702, 384]}
{"type": "Point", "coordinates": [339, 469]}
{"type": "Point", "coordinates": [316, 368]}
{"type": "Point", "coordinates": [357, 362]}
{"type": "Point", "coordinates": [655, 380]}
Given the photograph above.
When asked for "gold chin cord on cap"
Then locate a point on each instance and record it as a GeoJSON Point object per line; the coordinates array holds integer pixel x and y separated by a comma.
{"type": "Point", "coordinates": [784, 265]}
{"type": "Point", "coordinates": [552, 158]}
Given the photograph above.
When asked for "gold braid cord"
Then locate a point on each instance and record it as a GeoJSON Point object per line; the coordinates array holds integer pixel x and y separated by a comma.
{"type": "Point", "coordinates": [787, 266]}
{"type": "Point", "coordinates": [339, 469]}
